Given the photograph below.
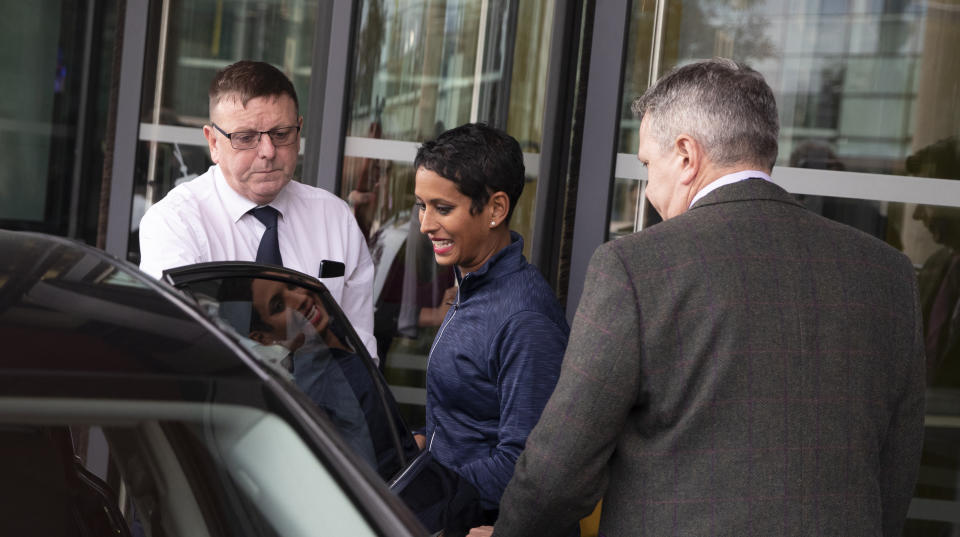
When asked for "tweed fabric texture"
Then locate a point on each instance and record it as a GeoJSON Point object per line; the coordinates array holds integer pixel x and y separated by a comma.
{"type": "Point", "coordinates": [746, 368]}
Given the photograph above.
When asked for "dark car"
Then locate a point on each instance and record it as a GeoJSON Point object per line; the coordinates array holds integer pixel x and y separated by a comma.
{"type": "Point", "coordinates": [242, 404]}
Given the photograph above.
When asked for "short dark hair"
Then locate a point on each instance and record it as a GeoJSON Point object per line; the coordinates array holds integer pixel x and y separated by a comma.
{"type": "Point", "coordinates": [940, 160]}
{"type": "Point", "coordinates": [480, 159]}
{"type": "Point", "coordinates": [723, 104]}
{"type": "Point", "coordinates": [249, 80]}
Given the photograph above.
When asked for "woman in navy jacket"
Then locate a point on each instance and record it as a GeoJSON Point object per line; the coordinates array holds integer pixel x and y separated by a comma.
{"type": "Point", "coordinates": [496, 357]}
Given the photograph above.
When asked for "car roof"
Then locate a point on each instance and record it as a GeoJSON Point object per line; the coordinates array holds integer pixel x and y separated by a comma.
{"type": "Point", "coordinates": [67, 309]}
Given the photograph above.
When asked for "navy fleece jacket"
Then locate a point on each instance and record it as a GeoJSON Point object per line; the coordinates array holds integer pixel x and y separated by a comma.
{"type": "Point", "coordinates": [493, 365]}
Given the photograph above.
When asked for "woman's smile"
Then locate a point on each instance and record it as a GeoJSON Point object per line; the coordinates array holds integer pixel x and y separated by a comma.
{"type": "Point", "coordinates": [442, 246]}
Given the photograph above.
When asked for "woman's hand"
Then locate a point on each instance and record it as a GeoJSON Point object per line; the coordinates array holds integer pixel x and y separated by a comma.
{"type": "Point", "coordinates": [482, 531]}
{"type": "Point", "coordinates": [421, 441]}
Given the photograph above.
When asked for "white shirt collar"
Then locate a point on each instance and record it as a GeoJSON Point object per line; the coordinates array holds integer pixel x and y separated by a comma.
{"type": "Point", "coordinates": [237, 205]}
{"type": "Point", "coordinates": [729, 179]}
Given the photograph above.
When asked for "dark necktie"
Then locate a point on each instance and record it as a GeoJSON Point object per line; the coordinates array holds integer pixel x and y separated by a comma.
{"type": "Point", "coordinates": [269, 250]}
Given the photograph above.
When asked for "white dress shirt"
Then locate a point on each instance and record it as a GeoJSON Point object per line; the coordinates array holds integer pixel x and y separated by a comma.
{"type": "Point", "coordinates": [207, 220]}
{"type": "Point", "coordinates": [728, 179]}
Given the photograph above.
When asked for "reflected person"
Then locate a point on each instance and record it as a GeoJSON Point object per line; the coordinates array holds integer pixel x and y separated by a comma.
{"type": "Point", "coordinates": [496, 357]}
{"type": "Point", "coordinates": [291, 316]}
{"type": "Point", "coordinates": [326, 369]}
{"type": "Point", "coordinates": [939, 278]}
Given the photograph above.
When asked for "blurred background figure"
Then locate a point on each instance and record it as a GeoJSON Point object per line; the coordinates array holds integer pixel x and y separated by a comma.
{"type": "Point", "coordinates": [939, 277]}
{"type": "Point", "coordinates": [410, 290]}
{"type": "Point", "coordinates": [861, 214]}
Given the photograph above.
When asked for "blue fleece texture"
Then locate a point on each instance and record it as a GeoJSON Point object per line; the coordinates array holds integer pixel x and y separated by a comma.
{"type": "Point", "coordinates": [493, 365]}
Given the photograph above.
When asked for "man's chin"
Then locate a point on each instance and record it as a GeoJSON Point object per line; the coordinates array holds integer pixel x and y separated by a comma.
{"type": "Point", "coordinates": [265, 190]}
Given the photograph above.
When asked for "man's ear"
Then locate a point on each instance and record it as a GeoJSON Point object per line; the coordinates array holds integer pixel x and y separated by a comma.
{"type": "Point", "coordinates": [211, 135]}
{"type": "Point", "coordinates": [690, 155]}
{"type": "Point", "coordinates": [499, 207]}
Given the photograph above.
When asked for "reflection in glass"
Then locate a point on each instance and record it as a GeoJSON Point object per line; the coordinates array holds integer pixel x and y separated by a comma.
{"type": "Point", "coordinates": [424, 67]}
{"type": "Point", "coordinates": [237, 470]}
{"type": "Point", "coordinates": [204, 36]}
{"type": "Point", "coordinates": [302, 335]}
{"type": "Point", "coordinates": [846, 76]}
{"type": "Point", "coordinates": [56, 78]}
{"type": "Point", "coordinates": [623, 214]}
{"type": "Point", "coordinates": [940, 273]}
{"type": "Point", "coordinates": [868, 81]}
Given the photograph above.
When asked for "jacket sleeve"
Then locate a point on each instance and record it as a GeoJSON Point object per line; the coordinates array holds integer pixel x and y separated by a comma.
{"type": "Point", "coordinates": [903, 445]}
{"type": "Point", "coordinates": [563, 472]}
{"type": "Point", "coordinates": [527, 354]}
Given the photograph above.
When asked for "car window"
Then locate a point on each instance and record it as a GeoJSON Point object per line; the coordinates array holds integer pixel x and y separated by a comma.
{"type": "Point", "coordinates": [298, 330]}
{"type": "Point", "coordinates": [177, 469]}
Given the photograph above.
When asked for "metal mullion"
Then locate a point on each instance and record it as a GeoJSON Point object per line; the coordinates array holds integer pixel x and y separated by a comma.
{"type": "Point", "coordinates": [330, 83]}
{"type": "Point", "coordinates": [83, 107]}
{"type": "Point", "coordinates": [601, 118]}
{"type": "Point", "coordinates": [554, 155]}
{"type": "Point", "coordinates": [127, 123]}
{"type": "Point", "coordinates": [313, 121]}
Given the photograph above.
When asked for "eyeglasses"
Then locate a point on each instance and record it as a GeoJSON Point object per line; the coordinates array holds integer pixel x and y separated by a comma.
{"type": "Point", "coordinates": [251, 139]}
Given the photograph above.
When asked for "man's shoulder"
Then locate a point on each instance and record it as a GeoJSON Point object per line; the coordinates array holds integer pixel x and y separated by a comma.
{"type": "Point", "coordinates": [317, 201]}
{"type": "Point", "coordinates": [312, 194]}
{"type": "Point", "coordinates": [186, 197]}
{"type": "Point", "coordinates": [860, 244]}
{"type": "Point", "coordinates": [712, 225]}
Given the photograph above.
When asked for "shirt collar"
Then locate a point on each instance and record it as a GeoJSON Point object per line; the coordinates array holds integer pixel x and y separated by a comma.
{"type": "Point", "coordinates": [237, 205]}
{"type": "Point", "coordinates": [729, 179]}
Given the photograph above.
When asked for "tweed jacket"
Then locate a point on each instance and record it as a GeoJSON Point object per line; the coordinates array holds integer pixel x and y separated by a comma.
{"type": "Point", "coordinates": [746, 368]}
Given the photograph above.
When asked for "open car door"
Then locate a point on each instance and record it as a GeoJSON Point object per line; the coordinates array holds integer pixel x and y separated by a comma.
{"type": "Point", "coordinates": [292, 323]}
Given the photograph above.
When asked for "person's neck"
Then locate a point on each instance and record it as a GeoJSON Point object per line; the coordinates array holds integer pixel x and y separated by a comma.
{"type": "Point", "coordinates": [711, 172]}
{"type": "Point", "coordinates": [500, 239]}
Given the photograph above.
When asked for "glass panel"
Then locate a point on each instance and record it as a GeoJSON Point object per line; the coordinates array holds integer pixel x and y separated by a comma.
{"type": "Point", "coordinates": [236, 471]}
{"type": "Point", "coordinates": [421, 68]}
{"type": "Point", "coordinates": [860, 78]}
{"type": "Point", "coordinates": [297, 329]}
{"type": "Point", "coordinates": [300, 332]}
{"type": "Point", "coordinates": [55, 73]}
{"type": "Point", "coordinates": [862, 87]}
{"type": "Point", "coordinates": [197, 38]}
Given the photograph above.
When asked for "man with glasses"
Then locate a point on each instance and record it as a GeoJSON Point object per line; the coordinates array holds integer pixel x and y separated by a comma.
{"type": "Point", "coordinates": [246, 208]}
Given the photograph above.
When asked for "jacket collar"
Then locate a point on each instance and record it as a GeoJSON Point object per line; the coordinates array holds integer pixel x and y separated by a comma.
{"type": "Point", "coordinates": [506, 261]}
{"type": "Point", "coordinates": [748, 190]}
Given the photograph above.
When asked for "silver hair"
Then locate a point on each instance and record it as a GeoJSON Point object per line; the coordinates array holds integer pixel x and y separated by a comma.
{"type": "Point", "coordinates": [724, 105]}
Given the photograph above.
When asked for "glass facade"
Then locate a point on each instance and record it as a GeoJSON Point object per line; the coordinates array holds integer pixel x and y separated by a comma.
{"type": "Point", "coordinates": [867, 92]}
{"type": "Point", "coordinates": [419, 69]}
{"type": "Point", "coordinates": [56, 63]}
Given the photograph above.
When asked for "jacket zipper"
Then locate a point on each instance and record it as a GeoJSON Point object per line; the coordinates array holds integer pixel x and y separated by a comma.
{"type": "Point", "coordinates": [456, 307]}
